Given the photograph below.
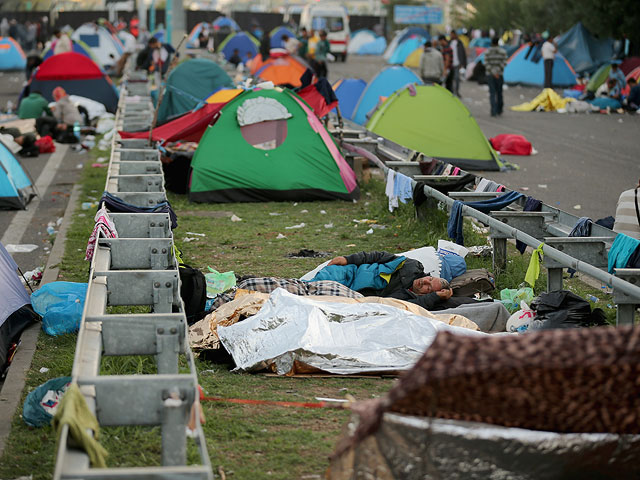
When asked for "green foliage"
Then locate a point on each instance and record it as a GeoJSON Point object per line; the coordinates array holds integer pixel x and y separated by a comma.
{"type": "Point", "coordinates": [608, 19]}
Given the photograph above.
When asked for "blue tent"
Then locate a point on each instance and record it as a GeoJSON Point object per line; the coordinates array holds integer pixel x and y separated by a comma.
{"type": "Point", "coordinates": [405, 48]}
{"type": "Point", "coordinates": [76, 46]}
{"type": "Point", "coordinates": [244, 42]}
{"type": "Point", "coordinates": [377, 47]}
{"type": "Point", "coordinates": [16, 189]}
{"type": "Point", "coordinates": [585, 52]}
{"type": "Point", "coordinates": [383, 84]}
{"type": "Point", "coordinates": [225, 22]}
{"type": "Point", "coordinates": [526, 72]}
{"type": "Point", "coordinates": [11, 55]}
{"type": "Point", "coordinates": [348, 92]}
{"type": "Point", "coordinates": [414, 31]}
{"type": "Point", "coordinates": [276, 36]}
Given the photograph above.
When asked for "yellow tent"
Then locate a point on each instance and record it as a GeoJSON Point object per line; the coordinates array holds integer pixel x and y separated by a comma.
{"type": "Point", "coordinates": [548, 100]}
{"type": "Point", "coordinates": [413, 60]}
{"type": "Point", "coordinates": [224, 95]}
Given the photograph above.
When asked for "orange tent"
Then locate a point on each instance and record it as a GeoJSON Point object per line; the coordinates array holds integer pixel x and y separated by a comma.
{"type": "Point", "coordinates": [285, 70]}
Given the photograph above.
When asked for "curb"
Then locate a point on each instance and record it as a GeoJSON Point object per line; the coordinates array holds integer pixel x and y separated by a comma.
{"type": "Point", "coordinates": [13, 386]}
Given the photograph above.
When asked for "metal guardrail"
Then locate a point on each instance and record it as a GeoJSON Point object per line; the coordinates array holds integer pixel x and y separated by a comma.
{"type": "Point", "coordinates": [551, 226]}
{"type": "Point", "coordinates": [138, 268]}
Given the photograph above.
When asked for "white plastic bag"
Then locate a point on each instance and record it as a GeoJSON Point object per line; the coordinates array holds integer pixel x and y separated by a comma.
{"type": "Point", "coordinates": [519, 322]}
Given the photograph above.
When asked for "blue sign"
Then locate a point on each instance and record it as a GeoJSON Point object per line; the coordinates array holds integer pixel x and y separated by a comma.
{"type": "Point", "coordinates": [416, 14]}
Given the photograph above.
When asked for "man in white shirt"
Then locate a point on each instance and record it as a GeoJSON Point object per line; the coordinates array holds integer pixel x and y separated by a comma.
{"type": "Point", "coordinates": [459, 60]}
{"type": "Point", "coordinates": [62, 43]}
{"type": "Point", "coordinates": [549, 50]}
{"type": "Point", "coordinates": [291, 45]}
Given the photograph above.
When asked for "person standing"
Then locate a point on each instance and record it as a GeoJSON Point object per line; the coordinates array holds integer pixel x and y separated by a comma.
{"type": "Point", "coordinates": [459, 60]}
{"type": "Point", "coordinates": [431, 64]}
{"type": "Point", "coordinates": [322, 49]}
{"type": "Point", "coordinates": [63, 43]}
{"type": "Point", "coordinates": [304, 43]}
{"type": "Point", "coordinates": [617, 74]}
{"type": "Point", "coordinates": [495, 60]}
{"type": "Point", "coordinates": [628, 213]}
{"type": "Point", "coordinates": [447, 55]}
{"type": "Point", "coordinates": [549, 50]}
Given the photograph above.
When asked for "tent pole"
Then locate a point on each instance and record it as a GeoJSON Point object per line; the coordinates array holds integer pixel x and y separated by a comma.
{"type": "Point", "coordinates": [162, 87]}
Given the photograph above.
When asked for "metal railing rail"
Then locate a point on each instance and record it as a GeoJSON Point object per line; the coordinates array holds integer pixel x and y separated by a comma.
{"type": "Point", "coordinates": [551, 226]}
{"type": "Point", "coordinates": [137, 269]}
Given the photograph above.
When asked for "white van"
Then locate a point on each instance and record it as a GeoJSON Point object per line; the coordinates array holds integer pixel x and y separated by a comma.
{"type": "Point", "coordinates": [332, 18]}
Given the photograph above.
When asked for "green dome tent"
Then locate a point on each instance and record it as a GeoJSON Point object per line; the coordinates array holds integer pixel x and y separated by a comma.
{"type": "Point", "coordinates": [268, 145]}
{"type": "Point", "coordinates": [429, 119]}
{"type": "Point", "coordinates": [190, 83]}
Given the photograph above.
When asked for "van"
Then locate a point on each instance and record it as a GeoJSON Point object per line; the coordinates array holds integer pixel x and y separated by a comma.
{"type": "Point", "coordinates": [332, 18]}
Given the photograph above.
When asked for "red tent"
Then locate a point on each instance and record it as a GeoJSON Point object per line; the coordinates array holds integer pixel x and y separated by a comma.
{"type": "Point", "coordinates": [78, 75]}
{"type": "Point", "coordinates": [189, 127]}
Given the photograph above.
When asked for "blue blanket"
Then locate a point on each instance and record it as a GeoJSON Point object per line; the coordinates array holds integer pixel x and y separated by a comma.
{"type": "Point", "coordinates": [359, 277]}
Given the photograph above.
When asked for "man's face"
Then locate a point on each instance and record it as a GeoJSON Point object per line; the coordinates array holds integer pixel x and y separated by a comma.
{"type": "Point", "coordinates": [424, 285]}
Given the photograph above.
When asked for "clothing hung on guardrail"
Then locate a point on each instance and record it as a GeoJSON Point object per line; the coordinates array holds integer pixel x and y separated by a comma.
{"type": "Point", "coordinates": [454, 226]}
{"type": "Point", "coordinates": [531, 205]}
{"type": "Point", "coordinates": [621, 251]}
{"type": "Point", "coordinates": [116, 204]}
{"type": "Point", "coordinates": [533, 271]}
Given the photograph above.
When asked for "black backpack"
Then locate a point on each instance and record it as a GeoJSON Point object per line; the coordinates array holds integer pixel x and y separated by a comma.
{"type": "Point", "coordinates": [479, 280]}
{"type": "Point", "coordinates": [193, 290]}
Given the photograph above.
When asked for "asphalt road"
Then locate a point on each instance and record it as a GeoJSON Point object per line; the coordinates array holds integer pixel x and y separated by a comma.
{"type": "Point", "coordinates": [54, 175]}
{"type": "Point", "coordinates": [584, 160]}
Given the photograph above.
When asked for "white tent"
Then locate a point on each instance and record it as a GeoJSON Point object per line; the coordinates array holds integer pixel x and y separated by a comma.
{"type": "Point", "coordinates": [107, 48]}
{"type": "Point", "coordinates": [360, 38]}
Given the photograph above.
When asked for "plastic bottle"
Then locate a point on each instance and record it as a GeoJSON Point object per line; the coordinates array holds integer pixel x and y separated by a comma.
{"type": "Point", "coordinates": [50, 230]}
{"type": "Point", "coordinates": [592, 298]}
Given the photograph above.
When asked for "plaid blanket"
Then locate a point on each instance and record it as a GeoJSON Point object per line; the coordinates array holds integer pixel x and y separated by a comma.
{"type": "Point", "coordinates": [291, 285]}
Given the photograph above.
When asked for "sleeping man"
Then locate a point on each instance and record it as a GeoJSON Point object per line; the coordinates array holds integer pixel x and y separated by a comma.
{"type": "Point", "coordinates": [383, 274]}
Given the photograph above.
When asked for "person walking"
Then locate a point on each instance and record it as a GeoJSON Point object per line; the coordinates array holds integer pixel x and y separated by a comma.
{"type": "Point", "coordinates": [322, 50]}
{"type": "Point", "coordinates": [549, 50]}
{"type": "Point", "coordinates": [495, 60]}
{"type": "Point", "coordinates": [447, 55]}
{"type": "Point", "coordinates": [459, 60]}
{"type": "Point", "coordinates": [431, 64]}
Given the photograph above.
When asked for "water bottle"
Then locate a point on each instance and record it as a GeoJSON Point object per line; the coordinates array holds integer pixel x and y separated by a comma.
{"type": "Point", "coordinates": [9, 107]}
{"type": "Point", "coordinates": [50, 230]}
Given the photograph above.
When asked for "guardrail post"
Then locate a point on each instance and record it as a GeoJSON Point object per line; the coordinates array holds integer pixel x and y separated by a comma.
{"type": "Point", "coordinates": [174, 439]}
{"type": "Point", "coordinates": [626, 304]}
{"type": "Point", "coordinates": [168, 345]}
{"type": "Point", "coordinates": [554, 279]}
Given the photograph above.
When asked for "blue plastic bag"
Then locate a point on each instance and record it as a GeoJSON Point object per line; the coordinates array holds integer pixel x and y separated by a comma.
{"type": "Point", "coordinates": [60, 304]}
{"type": "Point", "coordinates": [33, 412]}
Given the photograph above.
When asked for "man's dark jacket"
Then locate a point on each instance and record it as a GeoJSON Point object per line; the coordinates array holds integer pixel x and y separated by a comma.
{"type": "Point", "coordinates": [402, 280]}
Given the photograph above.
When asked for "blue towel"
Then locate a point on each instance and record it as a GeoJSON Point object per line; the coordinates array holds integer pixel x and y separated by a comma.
{"type": "Point", "coordinates": [454, 226]}
{"type": "Point", "coordinates": [452, 266]}
{"type": "Point", "coordinates": [359, 277]}
{"type": "Point", "coordinates": [531, 205]}
{"type": "Point", "coordinates": [402, 187]}
{"type": "Point", "coordinates": [621, 250]}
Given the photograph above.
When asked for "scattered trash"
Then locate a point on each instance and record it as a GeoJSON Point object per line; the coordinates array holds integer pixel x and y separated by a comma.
{"type": "Point", "coordinates": [307, 253]}
{"type": "Point", "coordinates": [274, 214]}
{"type": "Point", "coordinates": [60, 304]}
{"type": "Point", "coordinates": [304, 211]}
{"type": "Point", "coordinates": [21, 248]}
{"type": "Point", "coordinates": [198, 234]}
{"type": "Point", "coordinates": [89, 205]}
{"type": "Point", "coordinates": [524, 189]}
{"type": "Point", "coordinates": [370, 231]}
{"type": "Point", "coordinates": [577, 207]}
{"type": "Point", "coordinates": [99, 165]}
{"type": "Point", "coordinates": [102, 160]}
{"type": "Point", "coordinates": [592, 298]}
{"type": "Point", "coordinates": [351, 245]}
{"type": "Point", "coordinates": [280, 236]}
{"type": "Point", "coordinates": [51, 230]}
{"type": "Point", "coordinates": [34, 276]}
{"type": "Point", "coordinates": [620, 120]}
{"type": "Point", "coordinates": [328, 225]}
{"type": "Point", "coordinates": [79, 166]}
{"type": "Point", "coordinates": [103, 144]}
{"type": "Point", "coordinates": [480, 250]}
{"type": "Point", "coordinates": [323, 212]}
{"type": "Point", "coordinates": [43, 370]}
{"type": "Point", "coordinates": [218, 282]}
{"type": "Point", "coordinates": [378, 227]}
{"type": "Point", "coordinates": [295, 204]}
{"type": "Point", "coordinates": [478, 229]}
{"type": "Point", "coordinates": [41, 404]}
{"type": "Point", "coordinates": [59, 221]}
{"type": "Point", "coordinates": [189, 239]}
{"type": "Point", "coordinates": [542, 186]}
{"type": "Point", "coordinates": [300, 225]}
{"type": "Point", "coordinates": [235, 218]}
